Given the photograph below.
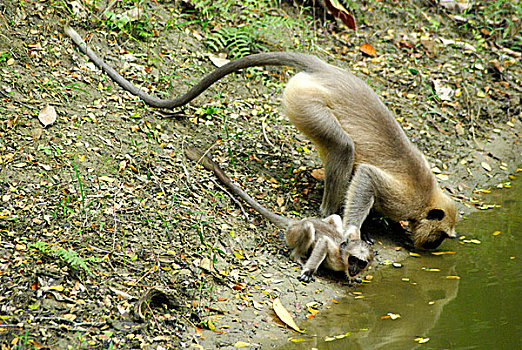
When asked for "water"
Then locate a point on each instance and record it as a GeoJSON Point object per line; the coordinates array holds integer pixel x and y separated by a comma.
{"type": "Point", "coordinates": [481, 310]}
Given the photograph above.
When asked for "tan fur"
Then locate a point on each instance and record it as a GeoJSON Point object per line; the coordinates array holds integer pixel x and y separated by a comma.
{"type": "Point", "coordinates": [364, 149]}
{"type": "Point", "coordinates": [366, 152]}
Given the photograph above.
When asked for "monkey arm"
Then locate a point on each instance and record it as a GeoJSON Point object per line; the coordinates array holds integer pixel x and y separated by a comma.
{"type": "Point", "coordinates": [323, 246]}
{"type": "Point", "coordinates": [368, 184]}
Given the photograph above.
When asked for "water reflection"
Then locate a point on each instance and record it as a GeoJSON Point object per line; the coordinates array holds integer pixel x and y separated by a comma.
{"type": "Point", "coordinates": [481, 310]}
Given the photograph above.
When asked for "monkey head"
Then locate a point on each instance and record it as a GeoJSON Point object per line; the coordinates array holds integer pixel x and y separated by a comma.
{"type": "Point", "coordinates": [435, 224]}
{"type": "Point", "coordinates": [356, 256]}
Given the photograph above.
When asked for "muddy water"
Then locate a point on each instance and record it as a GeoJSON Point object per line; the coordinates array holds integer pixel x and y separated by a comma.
{"type": "Point", "coordinates": [481, 308]}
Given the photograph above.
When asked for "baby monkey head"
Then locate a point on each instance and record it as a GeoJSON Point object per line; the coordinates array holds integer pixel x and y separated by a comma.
{"type": "Point", "coordinates": [356, 256]}
{"type": "Point", "coordinates": [435, 224]}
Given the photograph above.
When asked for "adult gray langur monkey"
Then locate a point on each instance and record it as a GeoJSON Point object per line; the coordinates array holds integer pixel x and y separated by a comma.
{"type": "Point", "coordinates": [314, 242]}
{"type": "Point", "coordinates": [368, 158]}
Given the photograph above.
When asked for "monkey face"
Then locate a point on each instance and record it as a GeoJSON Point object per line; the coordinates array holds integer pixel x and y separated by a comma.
{"type": "Point", "coordinates": [355, 266]}
{"type": "Point", "coordinates": [436, 225]}
{"type": "Point", "coordinates": [357, 256]}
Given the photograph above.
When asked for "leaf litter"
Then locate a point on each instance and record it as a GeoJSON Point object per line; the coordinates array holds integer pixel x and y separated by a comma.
{"type": "Point", "coordinates": [145, 216]}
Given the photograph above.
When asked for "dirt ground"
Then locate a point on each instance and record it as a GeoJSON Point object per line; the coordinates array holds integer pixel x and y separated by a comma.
{"type": "Point", "coordinates": [110, 238]}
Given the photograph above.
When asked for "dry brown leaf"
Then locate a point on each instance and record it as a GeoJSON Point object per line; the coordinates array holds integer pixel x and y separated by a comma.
{"type": "Point", "coordinates": [368, 49]}
{"type": "Point", "coordinates": [340, 12]}
{"type": "Point", "coordinates": [318, 174]}
{"type": "Point", "coordinates": [284, 315]}
{"type": "Point", "coordinates": [47, 116]}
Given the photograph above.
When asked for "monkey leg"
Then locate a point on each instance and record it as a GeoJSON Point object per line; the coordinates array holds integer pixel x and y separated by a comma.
{"type": "Point", "coordinates": [338, 170]}
{"type": "Point", "coordinates": [336, 221]}
{"type": "Point", "coordinates": [368, 183]}
{"type": "Point", "coordinates": [300, 237]}
{"type": "Point", "coordinates": [315, 260]}
{"type": "Point", "coordinates": [307, 104]}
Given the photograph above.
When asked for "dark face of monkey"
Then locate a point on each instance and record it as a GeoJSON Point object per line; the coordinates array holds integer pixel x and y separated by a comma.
{"type": "Point", "coordinates": [357, 256]}
{"type": "Point", "coordinates": [356, 265]}
{"type": "Point", "coordinates": [435, 226]}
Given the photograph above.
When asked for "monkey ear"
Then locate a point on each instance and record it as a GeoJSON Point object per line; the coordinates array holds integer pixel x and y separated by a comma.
{"type": "Point", "coordinates": [435, 214]}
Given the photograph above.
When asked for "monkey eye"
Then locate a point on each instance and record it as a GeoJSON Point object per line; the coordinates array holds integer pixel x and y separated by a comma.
{"type": "Point", "coordinates": [362, 264]}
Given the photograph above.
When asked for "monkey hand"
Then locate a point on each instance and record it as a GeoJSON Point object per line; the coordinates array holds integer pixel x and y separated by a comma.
{"type": "Point", "coordinates": [356, 280]}
{"type": "Point", "coordinates": [306, 276]}
{"type": "Point", "coordinates": [365, 236]}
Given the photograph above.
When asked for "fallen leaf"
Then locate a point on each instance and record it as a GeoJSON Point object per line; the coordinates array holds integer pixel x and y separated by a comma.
{"type": "Point", "coordinates": [453, 277]}
{"type": "Point", "coordinates": [123, 165]}
{"type": "Point", "coordinates": [368, 49]}
{"type": "Point", "coordinates": [296, 340]}
{"type": "Point", "coordinates": [47, 116]}
{"type": "Point", "coordinates": [318, 174]}
{"type": "Point", "coordinates": [210, 324]}
{"type": "Point", "coordinates": [58, 288]}
{"type": "Point", "coordinates": [218, 61]}
{"type": "Point", "coordinates": [393, 316]}
{"type": "Point", "coordinates": [444, 92]}
{"type": "Point", "coordinates": [461, 44]}
{"type": "Point", "coordinates": [239, 286]}
{"type": "Point", "coordinates": [442, 253]}
{"type": "Point", "coordinates": [106, 179]}
{"type": "Point", "coordinates": [456, 6]}
{"type": "Point", "coordinates": [284, 315]}
{"type": "Point", "coordinates": [442, 177]}
{"type": "Point", "coordinates": [496, 233]}
{"type": "Point", "coordinates": [257, 305]}
{"type": "Point", "coordinates": [70, 317]}
{"type": "Point", "coordinates": [340, 12]}
{"type": "Point", "coordinates": [421, 340]}
{"type": "Point", "coordinates": [486, 166]}
{"type": "Point", "coordinates": [241, 344]}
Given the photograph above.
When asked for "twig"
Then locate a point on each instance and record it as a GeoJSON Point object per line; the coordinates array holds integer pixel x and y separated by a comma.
{"type": "Point", "coordinates": [64, 320]}
{"type": "Point", "coordinates": [263, 127]}
{"type": "Point", "coordinates": [110, 6]}
{"type": "Point", "coordinates": [16, 101]}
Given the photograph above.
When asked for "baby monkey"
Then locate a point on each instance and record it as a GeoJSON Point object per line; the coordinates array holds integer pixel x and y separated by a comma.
{"type": "Point", "coordinates": [313, 241]}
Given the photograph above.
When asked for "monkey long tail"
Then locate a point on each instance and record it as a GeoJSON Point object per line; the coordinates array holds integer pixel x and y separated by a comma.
{"type": "Point", "coordinates": [209, 164]}
{"type": "Point", "coordinates": [297, 60]}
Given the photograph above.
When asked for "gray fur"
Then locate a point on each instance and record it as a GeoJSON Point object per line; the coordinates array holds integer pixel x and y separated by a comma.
{"type": "Point", "coordinates": [368, 159]}
{"type": "Point", "coordinates": [313, 241]}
